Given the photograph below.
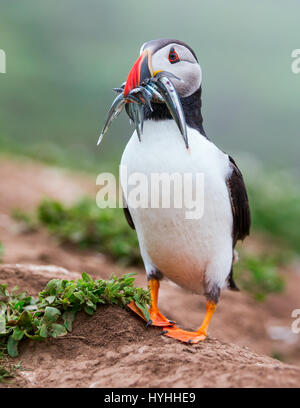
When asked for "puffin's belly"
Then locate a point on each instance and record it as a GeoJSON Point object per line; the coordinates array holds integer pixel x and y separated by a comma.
{"type": "Point", "coordinates": [181, 248]}
{"type": "Point", "coordinates": [173, 245]}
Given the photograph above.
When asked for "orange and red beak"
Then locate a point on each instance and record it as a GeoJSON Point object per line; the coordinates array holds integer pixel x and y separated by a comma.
{"type": "Point", "coordinates": [143, 85]}
{"type": "Point", "coordinates": [140, 72]}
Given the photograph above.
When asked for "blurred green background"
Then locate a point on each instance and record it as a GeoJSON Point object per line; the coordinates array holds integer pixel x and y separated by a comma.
{"type": "Point", "coordinates": [64, 58]}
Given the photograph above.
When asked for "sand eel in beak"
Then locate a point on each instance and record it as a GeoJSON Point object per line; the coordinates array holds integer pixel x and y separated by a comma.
{"type": "Point", "coordinates": [162, 96]}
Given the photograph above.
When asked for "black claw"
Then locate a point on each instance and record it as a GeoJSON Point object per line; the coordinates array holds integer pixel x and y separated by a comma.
{"type": "Point", "coordinates": [149, 323]}
{"type": "Point", "coordinates": [190, 341]}
{"type": "Point", "coordinates": [164, 332]}
{"type": "Point", "coordinates": [172, 322]}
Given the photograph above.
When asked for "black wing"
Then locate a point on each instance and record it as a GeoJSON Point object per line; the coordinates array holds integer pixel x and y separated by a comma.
{"type": "Point", "coordinates": [240, 209]}
{"type": "Point", "coordinates": [128, 217]}
{"type": "Point", "coordinates": [127, 214]}
{"type": "Point", "coordinates": [239, 203]}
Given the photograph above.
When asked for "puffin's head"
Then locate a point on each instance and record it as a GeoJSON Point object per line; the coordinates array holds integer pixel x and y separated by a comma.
{"type": "Point", "coordinates": [167, 55]}
{"type": "Point", "coordinates": [166, 71]}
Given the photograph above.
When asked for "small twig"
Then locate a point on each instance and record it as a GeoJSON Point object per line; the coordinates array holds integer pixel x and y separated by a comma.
{"type": "Point", "coordinates": [71, 337]}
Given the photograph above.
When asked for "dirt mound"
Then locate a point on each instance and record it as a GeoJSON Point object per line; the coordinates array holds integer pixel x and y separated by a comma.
{"type": "Point", "coordinates": [113, 348]}
{"type": "Point", "coordinates": [32, 278]}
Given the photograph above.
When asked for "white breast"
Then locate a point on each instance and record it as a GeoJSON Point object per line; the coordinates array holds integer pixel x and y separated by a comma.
{"type": "Point", "coordinates": [187, 251]}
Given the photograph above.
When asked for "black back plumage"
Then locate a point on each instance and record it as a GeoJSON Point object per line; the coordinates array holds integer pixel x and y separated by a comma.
{"type": "Point", "coordinates": [240, 210]}
{"type": "Point", "coordinates": [239, 203]}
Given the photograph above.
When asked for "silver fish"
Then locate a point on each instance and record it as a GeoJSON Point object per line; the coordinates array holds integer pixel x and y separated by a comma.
{"type": "Point", "coordinates": [115, 109]}
{"type": "Point", "coordinates": [168, 92]}
{"type": "Point", "coordinates": [136, 113]}
{"type": "Point", "coordinates": [157, 89]}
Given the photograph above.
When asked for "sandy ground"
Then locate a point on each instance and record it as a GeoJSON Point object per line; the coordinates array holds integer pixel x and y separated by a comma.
{"type": "Point", "coordinates": [113, 348]}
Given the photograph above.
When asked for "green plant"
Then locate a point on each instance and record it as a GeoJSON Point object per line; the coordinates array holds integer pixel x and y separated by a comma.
{"type": "Point", "coordinates": [88, 226]}
{"type": "Point", "coordinates": [7, 369]}
{"type": "Point", "coordinates": [53, 312]}
{"type": "Point", "coordinates": [275, 207]}
{"type": "Point", "coordinates": [277, 355]}
{"type": "Point", "coordinates": [6, 373]}
{"type": "Point", "coordinates": [28, 222]}
{"type": "Point", "coordinates": [258, 276]}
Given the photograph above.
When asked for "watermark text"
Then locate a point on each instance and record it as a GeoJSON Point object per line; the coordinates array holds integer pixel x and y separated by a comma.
{"type": "Point", "coordinates": [154, 190]}
{"type": "Point", "coordinates": [296, 323]}
{"type": "Point", "coordinates": [2, 62]}
{"type": "Point", "coordinates": [296, 62]}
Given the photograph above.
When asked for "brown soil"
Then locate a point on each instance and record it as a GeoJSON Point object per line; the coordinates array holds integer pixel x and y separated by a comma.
{"type": "Point", "coordinates": [113, 348]}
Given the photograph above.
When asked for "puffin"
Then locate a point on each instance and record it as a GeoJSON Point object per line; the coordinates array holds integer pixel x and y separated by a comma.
{"type": "Point", "coordinates": [162, 96]}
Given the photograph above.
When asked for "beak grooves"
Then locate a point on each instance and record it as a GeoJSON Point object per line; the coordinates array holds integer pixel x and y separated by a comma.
{"type": "Point", "coordinates": [138, 73]}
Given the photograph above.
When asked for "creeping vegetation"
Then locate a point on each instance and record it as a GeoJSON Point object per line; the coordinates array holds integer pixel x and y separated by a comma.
{"type": "Point", "coordinates": [87, 226]}
{"type": "Point", "coordinates": [53, 312]}
{"type": "Point", "coordinates": [258, 276]}
{"type": "Point", "coordinates": [275, 208]}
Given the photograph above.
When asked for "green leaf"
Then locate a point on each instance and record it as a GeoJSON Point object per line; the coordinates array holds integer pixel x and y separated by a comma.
{"type": "Point", "coordinates": [51, 286]}
{"type": "Point", "coordinates": [2, 324]}
{"type": "Point", "coordinates": [144, 309]}
{"type": "Point", "coordinates": [50, 299]}
{"type": "Point", "coordinates": [86, 277]}
{"type": "Point", "coordinates": [12, 347]}
{"type": "Point", "coordinates": [30, 308]}
{"type": "Point", "coordinates": [51, 314]}
{"type": "Point", "coordinates": [3, 290]}
{"type": "Point", "coordinates": [91, 305]}
{"type": "Point", "coordinates": [43, 331]}
{"type": "Point", "coordinates": [68, 318]}
{"type": "Point", "coordinates": [2, 318]}
{"type": "Point", "coordinates": [79, 296]}
{"type": "Point", "coordinates": [17, 334]}
{"type": "Point", "coordinates": [57, 330]}
{"type": "Point", "coordinates": [3, 308]}
{"type": "Point", "coordinates": [25, 319]}
{"type": "Point", "coordinates": [34, 336]}
{"type": "Point", "coordinates": [89, 310]}
{"type": "Point", "coordinates": [4, 373]}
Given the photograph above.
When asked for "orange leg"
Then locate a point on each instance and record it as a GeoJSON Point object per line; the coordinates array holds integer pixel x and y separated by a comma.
{"type": "Point", "coordinates": [156, 318]}
{"type": "Point", "coordinates": [193, 337]}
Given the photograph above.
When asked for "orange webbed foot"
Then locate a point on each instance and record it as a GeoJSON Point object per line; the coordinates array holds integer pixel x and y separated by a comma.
{"type": "Point", "coordinates": [184, 336]}
{"type": "Point", "coordinates": [156, 318]}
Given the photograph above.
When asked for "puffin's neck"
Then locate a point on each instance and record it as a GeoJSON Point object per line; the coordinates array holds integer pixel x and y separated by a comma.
{"type": "Point", "coordinates": [191, 106]}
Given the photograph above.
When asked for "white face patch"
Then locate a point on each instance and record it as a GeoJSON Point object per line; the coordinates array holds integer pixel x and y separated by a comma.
{"type": "Point", "coordinates": [187, 68]}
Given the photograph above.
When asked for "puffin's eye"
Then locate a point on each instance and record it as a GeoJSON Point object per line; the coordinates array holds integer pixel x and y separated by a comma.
{"type": "Point", "coordinates": [173, 56]}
